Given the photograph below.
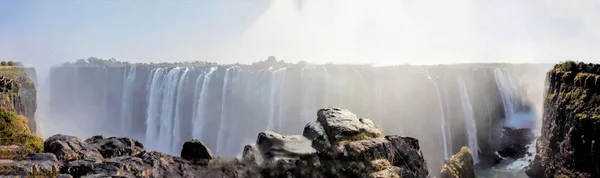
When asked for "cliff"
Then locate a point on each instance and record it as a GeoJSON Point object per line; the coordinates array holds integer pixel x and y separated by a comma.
{"type": "Point", "coordinates": [571, 122]}
{"type": "Point", "coordinates": [18, 92]}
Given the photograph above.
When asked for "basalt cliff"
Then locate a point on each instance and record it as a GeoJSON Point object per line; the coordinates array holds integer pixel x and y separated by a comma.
{"type": "Point", "coordinates": [18, 93]}
{"type": "Point", "coordinates": [568, 145]}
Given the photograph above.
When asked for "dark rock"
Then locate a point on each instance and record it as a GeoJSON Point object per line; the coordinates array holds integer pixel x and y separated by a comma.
{"type": "Point", "coordinates": [194, 149]}
{"type": "Point", "coordinates": [41, 157]}
{"type": "Point", "coordinates": [571, 122]}
{"type": "Point", "coordinates": [460, 165]}
{"type": "Point", "coordinates": [69, 148]}
{"type": "Point", "coordinates": [116, 146]}
{"type": "Point", "coordinates": [514, 142]}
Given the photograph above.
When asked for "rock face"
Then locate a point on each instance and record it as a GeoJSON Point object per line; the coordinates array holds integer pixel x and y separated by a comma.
{"type": "Point", "coordinates": [339, 144]}
{"type": "Point", "coordinates": [460, 165]}
{"type": "Point", "coordinates": [14, 163]}
{"type": "Point", "coordinates": [18, 93]}
{"type": "Point", "coordinates": [567, 146]}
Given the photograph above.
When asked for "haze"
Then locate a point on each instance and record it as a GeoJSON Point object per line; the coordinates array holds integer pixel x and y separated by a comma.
{"type": "Point", "coordinates": [43, 33]}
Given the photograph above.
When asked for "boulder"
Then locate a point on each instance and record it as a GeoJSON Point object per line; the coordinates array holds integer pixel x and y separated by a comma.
{"type": "Point", "coordinates": [460, 165]}
{"type": "Point", "coordinates": [194, 149]}
{"type": "Point", "coordinates": [41, 157]}
{"type": "Point", "coordinates": [273, 145]}
{"type": "Point", "coordinates": [116, 146]}
{"type": "Point", "coordinates": [341, 125]}
{"type": "Point", "coordinates": [69, 148]}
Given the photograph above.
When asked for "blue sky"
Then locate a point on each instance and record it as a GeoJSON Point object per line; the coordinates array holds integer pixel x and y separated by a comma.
{"type": "Point", "coordinates": [43, 33]}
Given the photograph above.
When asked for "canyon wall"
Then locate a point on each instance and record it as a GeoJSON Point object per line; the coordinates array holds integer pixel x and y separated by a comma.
{"type": "Point", "coordinates": [444, 106]}
{"type": "Point", "coordinates": [571, 123]}
{"type": "Point", "coordinates": [19, 93]}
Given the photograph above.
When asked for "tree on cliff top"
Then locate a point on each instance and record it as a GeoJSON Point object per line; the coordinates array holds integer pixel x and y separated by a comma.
{"type": "Point", "coordinates": [14, 131]}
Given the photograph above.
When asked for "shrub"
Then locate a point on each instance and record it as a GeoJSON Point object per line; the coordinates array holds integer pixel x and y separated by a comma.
{"type": "Point", "coordinates": [3, 63]}
{"type": "Point", "coordinates": [14, 131]}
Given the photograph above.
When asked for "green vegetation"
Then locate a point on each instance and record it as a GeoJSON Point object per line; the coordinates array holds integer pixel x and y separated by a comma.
{"type": "Point", "coordinates": [575, 89]}
{"type": "Point", "coordinates": [112, 62]}
{"type": "Point", "coordinates": [14, 131]}
{"type": "Point", "coordinates": [460, 165]}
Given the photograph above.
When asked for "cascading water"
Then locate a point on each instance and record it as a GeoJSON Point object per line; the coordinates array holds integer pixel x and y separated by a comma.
{"type": "Point", "coordinates": [225, 106]}
{"type": "Point", "coordinates": [511, 99]}
{"type": "Point", "coordinates": [442, 117]}
{"type": "Point", "coordinates": [221, 136]}
{"type": "Point", "coordinates": [126, 103]}
{"type": "Point", "coordinates": [469, 120]}
{"type": "Point", "coordinates": [199, 118]}
{"type": "Point", "coordinates": [177, 140]}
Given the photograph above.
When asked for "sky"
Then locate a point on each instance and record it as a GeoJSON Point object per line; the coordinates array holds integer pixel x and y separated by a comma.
{"type": "Point", "coordinates": [385, 32]}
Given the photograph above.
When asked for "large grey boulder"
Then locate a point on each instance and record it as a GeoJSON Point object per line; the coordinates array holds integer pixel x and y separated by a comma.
{"type": "Point", "coordinates": [116, 146]}
{"type": "Point", "coordinates": [342, 125]}
{"type": "Point", "coordinates": [69, 148]}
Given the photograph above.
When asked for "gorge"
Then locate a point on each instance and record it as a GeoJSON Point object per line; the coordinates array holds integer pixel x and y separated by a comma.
{"type": "Point", "coordinates": [163, 105]}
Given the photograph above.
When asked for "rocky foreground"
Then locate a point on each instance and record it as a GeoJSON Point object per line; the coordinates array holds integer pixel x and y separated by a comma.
{"type": "Point", "coordinates": [338, 144]}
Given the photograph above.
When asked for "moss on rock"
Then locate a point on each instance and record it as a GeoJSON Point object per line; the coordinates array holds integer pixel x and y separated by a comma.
{"type": "Point", "coordinates": [14, 131]}
{"type": "Point", "coordinates": [460, 165]}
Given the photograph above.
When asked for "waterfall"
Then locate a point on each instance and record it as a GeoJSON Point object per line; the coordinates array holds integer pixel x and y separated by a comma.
{"type": "Point", "coordinates": [166, 116]}
{"type": "Point", "coordinates": [442, 116]}
{"type": "Point", "coordinates": [153, 110]}
{"type": "Point", "coordinates": [281, 96]}
{"type": "Point", "coordinates": [199, 118]}
{"type": "Point", "coordinates": [469, 119]}
{"type": "Point", "coordinates": [177, 140]}
{"type": "Point", "coordinates": [126, 102]}
{"type": "Point", "coordinates": [221, 132]}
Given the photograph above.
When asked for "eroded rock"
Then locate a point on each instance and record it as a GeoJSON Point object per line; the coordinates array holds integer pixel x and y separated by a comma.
{"type": "Point", "coordinates": [340, 125]}
{"type": "Point", "coordinates": [460, 165]}
{"type": "Point", "coordinates": [69, 148]}
{"type": "Point", "coordinates": [116, 146]}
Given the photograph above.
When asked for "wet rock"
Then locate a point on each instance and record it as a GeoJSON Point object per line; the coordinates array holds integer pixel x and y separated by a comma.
{"type": "Point", "coordinates": [460, 165]}
{"type": "Point", "coordinates": [514, 142]}
{"type": "Point", "coordinates": [194, 149]}
{"type": "Point", "coordinates": [64, 176]}
{"type": "Point", "coordinates": [69, 148]}
{"type": "Point", "coordinates": [116, 146]}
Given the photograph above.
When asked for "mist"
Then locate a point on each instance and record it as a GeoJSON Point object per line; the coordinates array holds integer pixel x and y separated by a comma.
{"type": "Point", "coordinates": [381, 33]}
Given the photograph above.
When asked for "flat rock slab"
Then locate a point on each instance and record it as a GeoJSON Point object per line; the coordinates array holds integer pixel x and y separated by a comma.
{"type": "Point", "coordinates": [13, 152]}
{"type": "Point", "coordinates": [274, 144]}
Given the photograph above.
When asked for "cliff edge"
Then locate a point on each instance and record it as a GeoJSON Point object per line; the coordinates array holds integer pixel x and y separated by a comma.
{"type": "Point", "coordinates": [18, 93]}
{"type": "Point", "coordinates": [571, 122]}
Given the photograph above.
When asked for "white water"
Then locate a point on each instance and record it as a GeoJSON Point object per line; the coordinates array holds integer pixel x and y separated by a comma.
{"type": "Point", "coordinates": [165, 136]}
{"type": "Point", "coordinates": [153, 109]}
{"type": "Point", "coordinates": [177, 140]}
{"type": "Point", "coordinates": [469, 119]}
{"type": "Point", "coordinates": [442, 118]}
{"type": "Point", "coordinates": [199, 118]}
{"type": "Point", "coordinates": [221, 132]}
{"type": "Point", "coordinates": [510, 96]}
{"type": "Point", "coordinates": [126, 102]}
